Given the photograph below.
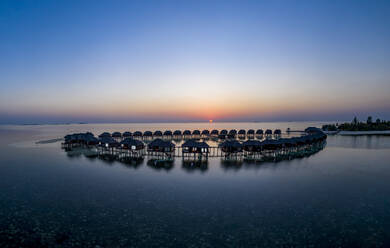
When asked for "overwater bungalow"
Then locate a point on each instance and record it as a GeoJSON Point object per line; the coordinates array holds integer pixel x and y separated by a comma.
{"type": "Point", "coordinates": [251, 133]}
{"type": "Point", "coordinates": [131, 148]}
{"type": "Point", "coordinates": [277, 133]}
{"type": "Point", "coordinates": [90, 140]}
{"type": "Point", "coordinates": [252, 149]}
{"type": "Point", "coordinates": [288, 142]}
{"type": "Point", "coordinates": [108, 143]}
{"type": "Point", "coordinates": [224, 132]}
{"type": "Point", "coordinates": [271, 144]}
{"type": "Point", "coordinates": [162, 149]}
{"type": "Point", "coordinates": [231, 148]}
{"type": "Point", "coordinates": [80, 139]}
{"type": "Point", "coordinates": [137, 134]}
{"type": "Point", "coordinates": [148, 135]}
{"type": "Point", "coordinates": [233, 132]}
{"type": "Point", "coordinates": [252, 146]}
{"type": "Point", "coordinates": [117, 136]}
{"type": "Point", "coordinates": [192, 149]}
{"type": "Point", "coordinates": [127, 134]}
{"type": "Point", "coordinates": [268, 132]}
{"type": "Point", "coordinates": [157, 133]}
{"type": "Point", "coordinates": [69, 139]}
{"type": "Point", "coordinates": [259, 133]}
{"type": "Point", "coordinates": [205, 133]}
{"type": "Point", "coordinates": [214, 133]}
{"type": "Point", "coordinates": [241, 133]}
{"type": "Point", "coordinates": [168, 134]}
{"type": "Point", "coordinates": [132, 144]}
{"type": "Point", "coordinates": [177, 134]}
{"type": "Point", "coordinates": [270, 149]}
{"type": "Point", "coordinates": [187, 134]}
{"type": "Point", "coordinates": [288, 147]}
{"type": "Point", "coordinates": [196, 134]}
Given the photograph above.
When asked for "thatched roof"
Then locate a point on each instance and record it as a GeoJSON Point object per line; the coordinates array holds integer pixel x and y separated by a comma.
{"type": "Point", "coordinates": [271, 144]}
{"type": "Point", "coordinates": [205, 132]}
{"type": "Point", "coordinates": [288, 142]}
{"type": "Point", "coordinates": [137, 133]}
{"type": "Point", "coordinates": [177, 132]}
{"type": "Point", "coordinates": [105, 134]}
{"type": "Point", "coordinates": [68, 137]}
{"type": "Point", "coordinates": [91, 139]}
{"type": "Point", "coordinates": [251, 132]}
{"type": "Point", "coordinates": [268, 131]}
{"type": "Point", "coordinates": [160, 143]}
{"type": "Point", "coordinates": [168, 133]}
{"type": "Point", "coordinates": [242, 132]}
{"type": "Point", "coordinates": [233, 132]}
{"type": "Point", "coordinates": [127, 134]}
{"type": "Point", "coordinates": [108, 140]}
{"type": "Point", "coordinates": [214, 132]}
{"type": "Point", "coordinates": [132, 142]}
{"type": "Point", "coordinates": [277, 131]}
{"type": "Point", "coordinates": [194, 143]}
{"type": "Point", "coordinates": [231, 143]}
{"type": "Point", "coordinates": [87, 138]}
{"type": "Point", "coordinates": [157, 133]}
{"type": "Point", "coordinates": [196, 132]}
{"type": "Point", "coordinates": [313, 130]}
{"type": "Point", "coordinates": [148, 134]}
{"type": "Point", "coordinates": [251, 143]}
{"type": "Point", "coordinates": [116, 135]}
{"type": "Point", "coordinates": [259, 131]}
{"type": "Point", "coordinates": [187, 132]}
{"type": "Point", "coordinates": [223, 132]}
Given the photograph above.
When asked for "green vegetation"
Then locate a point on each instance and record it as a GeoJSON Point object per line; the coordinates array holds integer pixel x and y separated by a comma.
{"type": "Point", "coordinates": [356, 125]}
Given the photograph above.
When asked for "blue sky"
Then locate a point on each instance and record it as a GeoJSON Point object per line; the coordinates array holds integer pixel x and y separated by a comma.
{"type": "Point", "coordinates": [103, 61]}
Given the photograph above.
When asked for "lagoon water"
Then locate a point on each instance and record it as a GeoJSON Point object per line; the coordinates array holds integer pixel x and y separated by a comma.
{"type": "Point", "coordinates": [338, 197]}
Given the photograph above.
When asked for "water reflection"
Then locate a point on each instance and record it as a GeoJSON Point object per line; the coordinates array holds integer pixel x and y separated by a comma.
{"type": "Point", "coordinates": [360, 142]}
{"type": "Point", "coordinates": [160, 165]}
{"type": "Point", "coordinates": [192, 166]}
{"type": "Point", "coordinates": [188, 165]}
{"type": "Point", "coordinates": [337, 198]}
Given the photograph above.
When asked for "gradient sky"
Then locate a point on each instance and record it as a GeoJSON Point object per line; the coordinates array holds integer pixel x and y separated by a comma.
{"type": "Point", "coordinates": [117, 61]}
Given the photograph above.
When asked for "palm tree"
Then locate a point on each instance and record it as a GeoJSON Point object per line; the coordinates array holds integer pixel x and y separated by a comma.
{"type": "Point", "coordinates": [355, 121]}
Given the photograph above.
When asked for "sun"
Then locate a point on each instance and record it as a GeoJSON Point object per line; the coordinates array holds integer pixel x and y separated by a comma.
{"type": "Point", "coordinates": [211, 121]}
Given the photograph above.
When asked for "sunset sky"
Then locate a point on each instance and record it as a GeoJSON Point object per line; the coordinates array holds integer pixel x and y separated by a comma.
{"type": "Point", "coordinates": [118, 61]}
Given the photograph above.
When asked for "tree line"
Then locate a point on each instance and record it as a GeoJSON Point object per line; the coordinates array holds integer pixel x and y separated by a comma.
{"type": "Point", "coordinates": [356, 125]}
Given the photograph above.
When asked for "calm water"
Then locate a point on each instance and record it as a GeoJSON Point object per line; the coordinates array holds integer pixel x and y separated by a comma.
{"type": "Point", "coordinates": [337, 197]}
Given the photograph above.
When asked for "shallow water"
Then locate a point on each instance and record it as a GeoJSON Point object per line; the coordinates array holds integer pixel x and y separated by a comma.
{"type": "Point", "coordinates": [337, 197]}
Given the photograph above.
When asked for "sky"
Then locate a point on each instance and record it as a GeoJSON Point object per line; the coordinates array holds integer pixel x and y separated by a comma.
{"type": "Point", "coordinates": [168, 61]}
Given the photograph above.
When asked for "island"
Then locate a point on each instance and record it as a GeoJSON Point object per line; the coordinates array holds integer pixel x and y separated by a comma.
{"type": "Point", "coordinates": [356, 127]}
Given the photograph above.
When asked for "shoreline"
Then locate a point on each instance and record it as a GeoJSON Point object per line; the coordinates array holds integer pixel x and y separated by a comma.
{"type": "Point", "coordinates": [356, 133]}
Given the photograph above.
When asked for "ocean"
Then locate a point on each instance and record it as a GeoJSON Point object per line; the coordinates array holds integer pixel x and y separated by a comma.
{"type": "Point", "coordinates": [338, 197]}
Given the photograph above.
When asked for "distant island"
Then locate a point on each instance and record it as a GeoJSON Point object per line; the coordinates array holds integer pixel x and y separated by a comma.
{"type": "Point", "coordinates": [356, 125]}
